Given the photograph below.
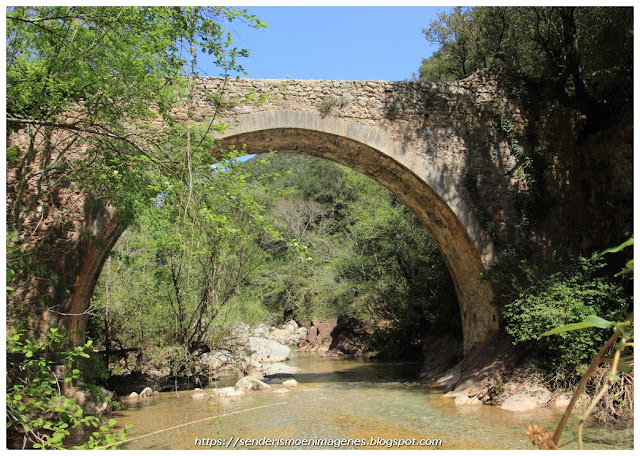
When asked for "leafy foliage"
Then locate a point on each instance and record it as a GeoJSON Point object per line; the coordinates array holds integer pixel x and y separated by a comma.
{"type": "Point", "coordinates": [100, 87]}
{"type": "Point", "coordinates": [193, 251]}
{"type": "Point", "coordinates": [288, 237]}
{"type": "Point", "coordinates": [106, 77]}
{"type": "Point", "coordinates": [37, 410]}
{"type": "Point", "coordinates": [370, 257]}
{"type": "Point", "coordinates": [581, 57]}
{"type": "Point", "coordinates": [562, 298]}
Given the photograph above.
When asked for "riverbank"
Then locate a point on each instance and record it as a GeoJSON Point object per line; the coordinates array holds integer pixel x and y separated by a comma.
{"type": "Point", "coordinates": [495, 373]}
{"type": "Point", "coordinates": [498, 374]}
{"type": "Point", "coordinates": [337, 399]}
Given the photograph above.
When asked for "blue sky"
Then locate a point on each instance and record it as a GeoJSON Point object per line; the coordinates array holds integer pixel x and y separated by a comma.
{"type": "Point", "coordinates": [350, 43]}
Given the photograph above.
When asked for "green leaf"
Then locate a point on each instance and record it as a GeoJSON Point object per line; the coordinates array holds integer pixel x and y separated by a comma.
{"type": "Point", "coordinates": [112, 422]}
{"type": "Point", "coordinates": [569, 327]}
{"type": "Point", "coordinates": [598, 322]}
{"type": "Point", "coordinates": [625, 244]}
{"type": "Point", "coordinates": [623, 366]}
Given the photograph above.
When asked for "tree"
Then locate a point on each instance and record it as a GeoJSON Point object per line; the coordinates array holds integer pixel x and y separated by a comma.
{"type": "Point", "coordinates": [91, 98]}
{"type": "Point", "coordinates": [581, 57]}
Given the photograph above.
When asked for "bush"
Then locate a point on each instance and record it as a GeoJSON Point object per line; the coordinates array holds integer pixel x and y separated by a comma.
{"type": "Point", "coordinates": [38, 413]}
{"type": "Point", "coordinates": [564, 298]}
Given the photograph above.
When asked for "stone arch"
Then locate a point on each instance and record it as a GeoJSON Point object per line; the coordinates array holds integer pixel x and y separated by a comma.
{"type": "Point", "coordinates": [432, 198]}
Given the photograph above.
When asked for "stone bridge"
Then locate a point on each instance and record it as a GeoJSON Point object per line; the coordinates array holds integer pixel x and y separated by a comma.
{"type": "Point", "coordinates": [437, 146]}
{"type": "Point", "coordinates": [434, 145]}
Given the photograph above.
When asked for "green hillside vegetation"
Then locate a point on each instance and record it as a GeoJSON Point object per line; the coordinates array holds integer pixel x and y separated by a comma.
{"type": "Point", "coordinates": [292, 237]}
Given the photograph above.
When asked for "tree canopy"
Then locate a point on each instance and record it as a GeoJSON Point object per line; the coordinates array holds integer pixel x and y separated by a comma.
{"type": "Point", "coordinates": [579, 56]}
{"type": "Point", "coordinates": [109, 78]}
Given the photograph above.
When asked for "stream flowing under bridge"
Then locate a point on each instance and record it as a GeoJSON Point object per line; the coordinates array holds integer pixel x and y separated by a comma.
{"type": "Point", "coordinates": [437, 146]}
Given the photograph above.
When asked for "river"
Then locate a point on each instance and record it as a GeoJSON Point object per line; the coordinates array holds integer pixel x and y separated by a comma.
{"type": "Point", "coordinates": [369, 402]}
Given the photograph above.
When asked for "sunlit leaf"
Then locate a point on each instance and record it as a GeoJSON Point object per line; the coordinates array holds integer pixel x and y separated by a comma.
{"type": "Point", "coordinates": [598, 322]}
{"type": "Point", "coordinates": [565, 328]}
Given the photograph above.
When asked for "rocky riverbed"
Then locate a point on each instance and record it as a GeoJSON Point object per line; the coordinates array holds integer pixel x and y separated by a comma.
{"type": "Point", "coordinates": [251, 358]}
{"type": "Point", "coordinates": [253, 351]}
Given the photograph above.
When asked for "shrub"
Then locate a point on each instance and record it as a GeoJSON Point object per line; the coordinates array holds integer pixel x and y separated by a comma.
{"type": "Point", "coordinates": [564, 298]}
{"type": "Point", "coordinates": [38, 413]}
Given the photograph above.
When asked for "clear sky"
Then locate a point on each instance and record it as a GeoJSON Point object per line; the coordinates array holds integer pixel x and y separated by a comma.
{"type": "Point", "coordinates": [333, 42]}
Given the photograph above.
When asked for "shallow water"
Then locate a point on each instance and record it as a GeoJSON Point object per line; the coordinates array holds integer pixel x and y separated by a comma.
{"type": "Point", "coordinates": [371, 403]}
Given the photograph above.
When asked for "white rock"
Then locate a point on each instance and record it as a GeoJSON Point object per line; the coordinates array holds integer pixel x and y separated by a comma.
{"type": "Point", "coordinates": [462, 398]}
{"type": "Point", "coordinates": [290, 382]}
{"type": "Point", "coordinates": [281, 391]}
{"type": "Point", "coordinates": [250, 382]}
{"type": "Point", "coordinates": [230, 391]}
{"type": "Point", "coordinates": [291, 326]}
{"type": "Point", "coordinates": [147, 392]}
{"type": "Point", "coordinates": [265, 350]}
{"type": "Point", "coordinates": [133, 395]}
{"type": "Point", "coordinates": [528, 400]}
{"type": "Point", "coordinates": [278, 368]}
{"type": "Point", "coordinates": [199, 396]}
{"type": "Point", "coordinates": [216, 359]}
{"type": "Point", "coordinates": [562, 401]}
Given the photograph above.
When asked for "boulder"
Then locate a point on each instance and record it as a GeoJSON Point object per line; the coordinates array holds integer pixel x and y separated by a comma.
{"type": "Point", "coordinates": [290, 382]}
{"type": "Point", "coordinates": [215, 360]}
{"type": "Point", "coordinates": [251, 383]}
{"type": "Point", "coordinates": [562, 402]}
{"type": "Point", "coordinates": [133, 395]}
{"type": "Point", "coordinates": [262, 330]}
{"type": "Point", "coordinates": [230, 391]}
{"type": "Point", "coordinates": [278, 369]}
{"type": "Point", "coordinates": [147, 392]}
{"type": "Point", "coordinates": [527, 400]}
{"type": "Point", "coordinates": [291, 326]}
{"type": "Point", "coordinates": [318, 337]}
{"type": "Point", "coordinates": [463, 399]}
{"type": "Point", "coordinates": [265, 350]}
{"type": "Point", "coordinates": [282, 336]}
{"type": "Point", "coordinates": [461, 396]}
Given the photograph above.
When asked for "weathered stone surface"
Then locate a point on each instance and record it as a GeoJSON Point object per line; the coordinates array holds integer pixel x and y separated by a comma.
{"type": "Point", "coordinates": [215, 360]}
{"type": "Point", "coordinates": [266, 350]}
{"type": "Point", "coordinates": [527, 400]}
{"type": "Point", "coordinates": [147, 392]}
{"type": "Point", "coordinates": [251, 383]}
{"type": "Point", "coordinates": [230, 391]}
{"type": "Point", "coordinates": [290, 382]}
{"type": "Point", "coordinates": [318, 336]}
{"type": "Point", "coordinates": [464, 399]}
